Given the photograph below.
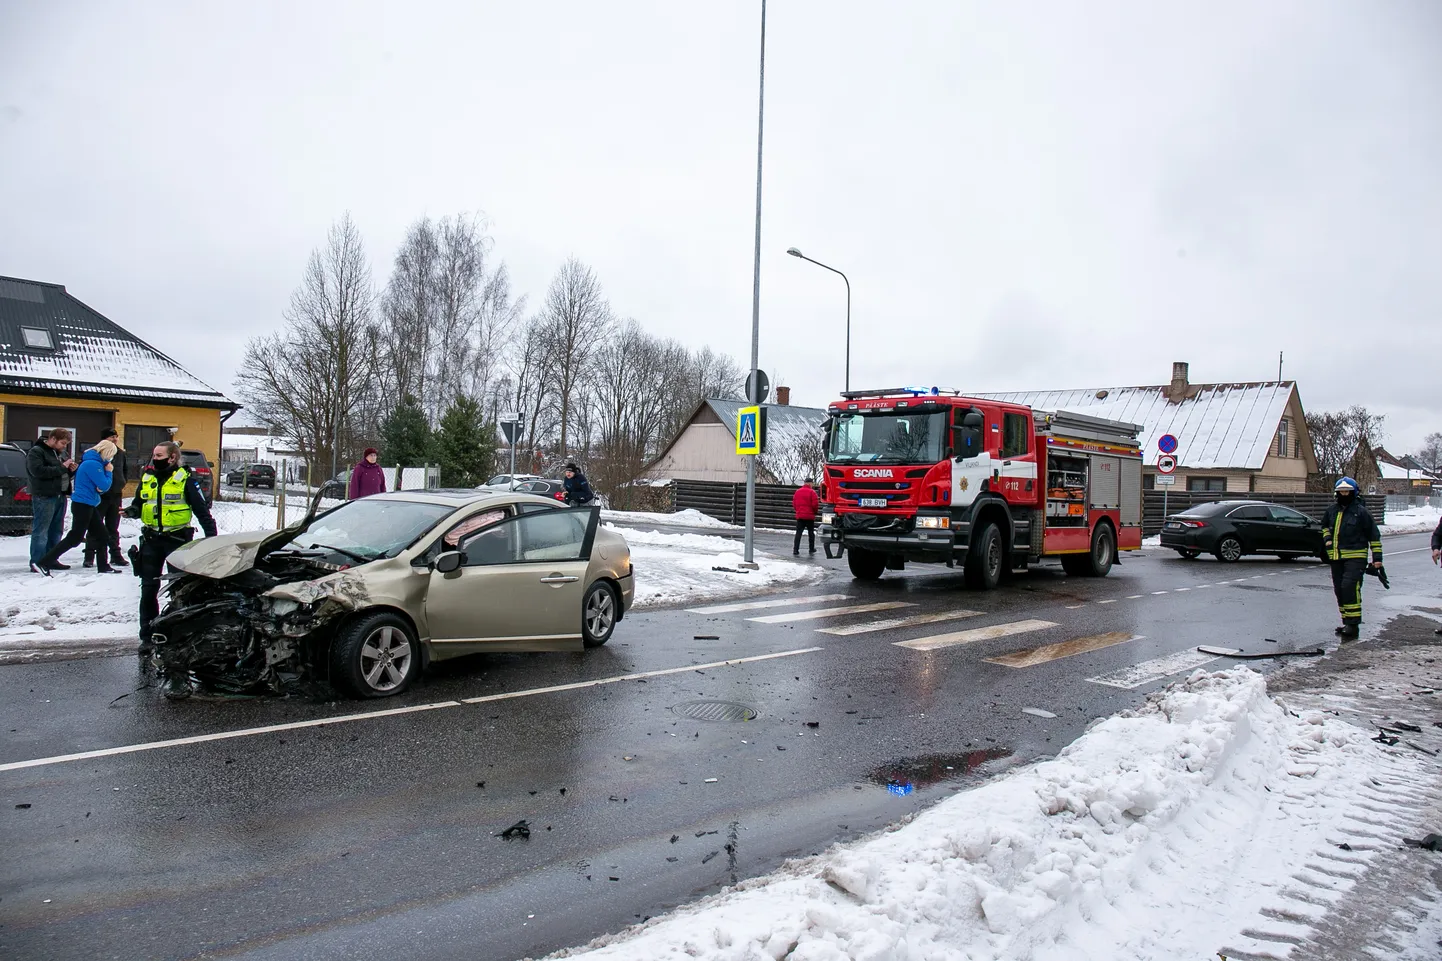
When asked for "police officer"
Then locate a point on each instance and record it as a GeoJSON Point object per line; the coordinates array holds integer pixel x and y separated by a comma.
{"type": "Point", "coordinates": [166, 500]}
{"type": "Point", "coordinates": [1348, 530]}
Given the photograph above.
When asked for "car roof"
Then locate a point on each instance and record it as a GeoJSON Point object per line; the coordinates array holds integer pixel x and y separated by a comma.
{"type": "Point", "coordinates": [464, 497]}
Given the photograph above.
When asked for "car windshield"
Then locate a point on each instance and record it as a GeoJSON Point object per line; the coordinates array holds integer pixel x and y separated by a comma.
{"type": "Point", "coordinates": [372, 527]}
{"type": "Point", "coordinates": [889, 438]}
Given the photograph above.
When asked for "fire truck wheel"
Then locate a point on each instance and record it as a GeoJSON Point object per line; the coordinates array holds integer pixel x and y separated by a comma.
{"type": "Point", "coordinates": [984, 560]}
{"type": "Point", "coordinates": [865, 565]}
{"type": "Point", "coordinates": [1103, 552]}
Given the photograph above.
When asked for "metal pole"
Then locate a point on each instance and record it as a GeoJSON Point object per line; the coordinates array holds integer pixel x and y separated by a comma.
{"type": "Point", "coordinates": [748, 553]}
{"type": "Point", "coordinates": [796, 253]}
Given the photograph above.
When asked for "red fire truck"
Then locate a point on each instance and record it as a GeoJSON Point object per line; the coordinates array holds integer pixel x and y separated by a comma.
{"type": "Point", "coordinates": [932, 476]}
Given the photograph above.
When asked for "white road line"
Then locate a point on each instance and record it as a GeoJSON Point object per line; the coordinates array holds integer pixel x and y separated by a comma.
{"type": "Point", "coordinates": [1202, 587]}
{"type": "Point", "coordinates": [892, 623]}
{"type": "Point", "coordinates": [1132, 597]}
{"type": "Point", "coordinates": [1410, 550]}
{"type": "Point", "coordinates": [939, 641]}
{"type": "Point", "coordinates": [829, 612]}
{"type": "Point", "coordinates": [1155, 593]}
{"type": "Point", "coordinates": [1110, 600]}
{"type": "Point", "coordinates": [1129, 678]}
{"type": "Point", "coordinates": [1183, 588]}
{"type": "Point", "coordinates": [759, 605]}
{"type": "Point", "coordinates": [633, 677]}
{"type": "Point", "coordinates": [1273, 573]}
{"type": "Point", "coordinates": [1072, 607]}
{"type": "Point", "coordinates": [368, 715]}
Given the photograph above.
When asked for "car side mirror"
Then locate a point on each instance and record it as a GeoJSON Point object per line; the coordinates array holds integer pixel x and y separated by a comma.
{"type": "Point", "coordinates": [450, 561]}
{"type": "Point", "coordinates": [966, 436]}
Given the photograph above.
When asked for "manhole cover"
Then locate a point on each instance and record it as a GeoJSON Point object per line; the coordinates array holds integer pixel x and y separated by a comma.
{"type": "Point", "coordinates": [716, 711]}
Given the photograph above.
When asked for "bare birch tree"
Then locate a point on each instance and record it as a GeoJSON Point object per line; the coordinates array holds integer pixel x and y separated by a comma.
{"type": "Point", "coordinates": [315, 379]}
{"type": "Point", "coordinates": [408, 309]}
{"type": "Point", "coordinates": [575, 321]}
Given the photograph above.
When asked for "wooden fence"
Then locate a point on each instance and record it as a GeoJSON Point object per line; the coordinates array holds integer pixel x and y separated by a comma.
{"type": "Point", "coordinates": [727, 502]}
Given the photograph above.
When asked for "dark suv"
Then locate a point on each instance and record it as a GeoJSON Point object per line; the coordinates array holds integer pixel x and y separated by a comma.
{"type": "Point", "coordinates": [195, 462]}
{"type": "Point", "coordinates": [14, 493]}
{"type": "Point", "coordinates": [256, 475]}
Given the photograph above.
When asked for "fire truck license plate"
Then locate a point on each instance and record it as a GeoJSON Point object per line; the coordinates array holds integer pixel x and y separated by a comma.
{"type": "Point", "coordinates": [873, 502]}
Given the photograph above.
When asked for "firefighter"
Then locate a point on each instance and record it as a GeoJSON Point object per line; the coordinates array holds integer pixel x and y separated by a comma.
{"type": "Point", "coordinates": [166, 500]}
{"type": "Point", "coordinates": [1348, 531]}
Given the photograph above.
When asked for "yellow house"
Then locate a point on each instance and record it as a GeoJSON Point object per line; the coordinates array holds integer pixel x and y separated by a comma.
{"type": "Point", "coordinates": [63, 364]}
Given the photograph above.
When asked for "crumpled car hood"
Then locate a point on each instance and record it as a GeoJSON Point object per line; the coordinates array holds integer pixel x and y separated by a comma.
{"type": "Point", "coordinates": [223, 556]}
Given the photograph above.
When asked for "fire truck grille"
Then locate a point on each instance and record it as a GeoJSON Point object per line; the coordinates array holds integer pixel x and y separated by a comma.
{"type": "Point", "coordinates": [874, 485]}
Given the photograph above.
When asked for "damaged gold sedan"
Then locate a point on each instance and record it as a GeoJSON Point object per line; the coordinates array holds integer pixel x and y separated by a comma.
{"type": "Point", "coordinates": [360, 598]}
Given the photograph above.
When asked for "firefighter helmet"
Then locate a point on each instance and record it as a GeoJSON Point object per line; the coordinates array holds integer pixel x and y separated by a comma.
{"type": "Point", "coordinates": [1346, 485]}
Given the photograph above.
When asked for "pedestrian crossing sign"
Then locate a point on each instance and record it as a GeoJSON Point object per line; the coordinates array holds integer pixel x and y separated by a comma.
{"type": "Point", "coordinates": [750, 430]}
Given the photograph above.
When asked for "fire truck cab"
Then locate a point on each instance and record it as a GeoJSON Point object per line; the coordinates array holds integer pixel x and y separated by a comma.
{"type": "Point", "coordinates": [935, 477]}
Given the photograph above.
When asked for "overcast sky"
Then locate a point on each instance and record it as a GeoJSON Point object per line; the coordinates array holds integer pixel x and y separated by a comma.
{"type": "Point", "coordinates": [1024, 196]}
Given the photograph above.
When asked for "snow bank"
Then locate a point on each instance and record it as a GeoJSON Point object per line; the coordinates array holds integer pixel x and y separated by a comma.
{"type": "Point", "coordinates": [680, 568]}
{"type": "Point", "coordinates": [687, 518]}
{"type": "Point", "coordinates": [1159, 833]}
{"type": "Point", "coordinates": [1412, 520]}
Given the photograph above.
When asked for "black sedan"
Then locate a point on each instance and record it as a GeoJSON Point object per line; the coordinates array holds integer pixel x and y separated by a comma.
{"type": "Point", "coordinates": [256, 475]}
{"type": "Point", "coordinates": [555, 489]}
{"type": "Point", "coordinates": [1230, 529]}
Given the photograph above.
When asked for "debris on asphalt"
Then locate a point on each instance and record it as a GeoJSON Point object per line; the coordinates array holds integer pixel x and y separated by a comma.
{"type": "Point", "coordinates": [1383, 738]}
{"type": "Point", "coordinates": [709, 856]}
{"type": "Point", "coordinates": [1244, 656]}
{"type": "Point", "coordinates": [1037, 712]}
{"type": "Point", "coordinates": [629, 757]}
{"type": "Point", "coordinates": [1345, 846]}
{"type": "Point", "coordinates": [480, 784]}
{"type": "Point", "coordinates": [780, 748]}
{"type": "Point", "coordinates": [706, 637]}
{"type": "Point", "coordinates": [813, 723]}
{"type": "Point", "coordinates": [1402, 726]}
{"type": "Point", "coordinates": [1432, 842]}
{"type": "Point", "coordinates": [518, 830]}
{"type": "Point", "coordinates": [21, 807]}
{"type": "Point", "coordinates": [675, 838]}
{"type": "Point", "coordinates": [711, 780]}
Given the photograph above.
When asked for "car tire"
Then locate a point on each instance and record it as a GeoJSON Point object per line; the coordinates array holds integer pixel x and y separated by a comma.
{"type": "Point", "coordinates": [375, 656]}
{"type": "Point", "coordinates": [1189, 554]}
{"type": "Point", "coordinates": [599, 613]}
{"type": "Point", "coordinates": [985, 559]}
{"type": "Point", "coordinates": [865, 565]}
{"type": "Point", "coordinates": [1229, 549]}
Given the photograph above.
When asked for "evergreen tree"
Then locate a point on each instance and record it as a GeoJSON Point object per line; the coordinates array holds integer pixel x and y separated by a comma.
{"type": "Point", "coordinates": [405, 436]}
{"type": "Point", "coordinates": [465, 444]}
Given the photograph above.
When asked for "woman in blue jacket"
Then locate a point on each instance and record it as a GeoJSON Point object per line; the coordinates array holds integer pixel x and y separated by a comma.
{"type": "Point", "coordinates": [92, 478]}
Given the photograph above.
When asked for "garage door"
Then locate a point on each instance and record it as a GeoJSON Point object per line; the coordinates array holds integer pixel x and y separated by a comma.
{"type": "Point", "coordinates": [25, 425]}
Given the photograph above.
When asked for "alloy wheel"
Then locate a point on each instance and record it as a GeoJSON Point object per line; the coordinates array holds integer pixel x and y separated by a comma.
{"type": "Point", "coordinates": [600, 613]}
{"type": "Point", "coordinates": [385, 658]}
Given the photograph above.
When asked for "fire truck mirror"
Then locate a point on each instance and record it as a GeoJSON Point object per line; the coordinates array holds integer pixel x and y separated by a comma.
{"type": "Point", "coordinates": [827, 429]}
{"type": "Point", "coordinates": [966, 436]}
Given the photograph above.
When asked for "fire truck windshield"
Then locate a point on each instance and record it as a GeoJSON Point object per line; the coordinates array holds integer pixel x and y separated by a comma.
{"type": "Point", "coordinates": [888, 438]}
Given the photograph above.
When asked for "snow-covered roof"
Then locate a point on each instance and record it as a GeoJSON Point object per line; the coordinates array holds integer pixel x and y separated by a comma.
{"type": "Point", "coordinates": [1394, 472]}
{"type": "Point", "coordinates": [1221, 426]}
{"type": "Point", "coordinates": [784, 424]}
{"type": "Point", "coordinates": [87, 353]}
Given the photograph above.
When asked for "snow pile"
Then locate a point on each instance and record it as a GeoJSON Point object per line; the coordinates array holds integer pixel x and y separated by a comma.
{"type": "Point", "coordinates": [680, 568]}
{"type": "Point", "coordinates": [1412, 520]}
{"type": "Point", "coordinates": [1158, 834]}
{"type": "Point", "coordinates": [690, 517]}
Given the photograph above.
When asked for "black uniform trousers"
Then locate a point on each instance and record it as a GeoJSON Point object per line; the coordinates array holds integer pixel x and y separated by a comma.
{"type": "Point", "coordinates": [149, 564]}
{"type": "Point", "coordinates": [1347, 577]}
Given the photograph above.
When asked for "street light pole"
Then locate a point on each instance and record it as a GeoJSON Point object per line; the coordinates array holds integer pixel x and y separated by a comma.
{"type": "Point", "coordinates": [748, 552]}
{"type": "Point", "coordinates": [796, 253]}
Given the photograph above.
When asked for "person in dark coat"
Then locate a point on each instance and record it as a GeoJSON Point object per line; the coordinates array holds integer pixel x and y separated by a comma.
{"type": "Point", "coordinates": [47, 472]}
{"type": "Point", "coordinates": [367, 477]}
{"type": "Point", "coordinates": [1348, 532]}
{"type": "Point", "coordinates": [1437, 553]}
{"type": "Point", "coordinates": [92, 480]}
{"type": "Point", "coordinates": [578, 489]}
{"type": "Point", "coordinates": [110, 503]}
{"type": "Point", "coordinates": [805, 502]}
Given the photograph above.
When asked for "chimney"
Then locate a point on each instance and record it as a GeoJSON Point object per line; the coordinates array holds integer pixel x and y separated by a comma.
{"type": "Point", "coordinates": [1177, 392]}
{"type": "Point", "coordinates": [783, 396]}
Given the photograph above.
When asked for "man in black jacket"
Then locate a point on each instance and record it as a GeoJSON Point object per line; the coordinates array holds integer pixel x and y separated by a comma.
{"type": "Point", "coordinates": [109, 508]}
{"type": "Point", "coordinates": [166, 500]}
{"type": "Point", "coordinates": [1348, 531]}
{"type": "Point", "coordinates": [578, 489]}
{"type": "Point", "coordinates": [47, 475]}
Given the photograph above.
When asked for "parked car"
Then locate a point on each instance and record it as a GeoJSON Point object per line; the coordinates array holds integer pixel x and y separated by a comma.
{"type": "Point", "coordinates": [545, 488]}
{"type": "Point", "coordinates": [364, 595]}
{"type": "Point", "coordinates": [336, 487]}
{"type": "Point", "coordinates": [14, 491]}
{"type": "Point", "coordinates": [195, 462]}
{"type": "Point", "coordinates": [1230, 529]}
{"type": "Point", "coordinates": [506, 482]}
{"type": "Point", "coordinates": [256, 475]}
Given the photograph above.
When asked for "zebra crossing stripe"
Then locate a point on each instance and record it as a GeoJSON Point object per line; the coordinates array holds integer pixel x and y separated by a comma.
{"type": "Point", "coordinates": [1055, 652]}
{"type": "Point", "coordinates": [892, 623]}
{"type": "Point", "coordinates": [939, 641]}
{"type": "Point", "coordinates": [1130, 678]}
{"type": "Point", "coordinates": [828, 612]}
{"type": "Point", "coordinates": [761, 605]}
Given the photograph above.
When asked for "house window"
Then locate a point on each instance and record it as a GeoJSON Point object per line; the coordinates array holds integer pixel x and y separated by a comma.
{"type": "Point", "coordinates": [1206, 484]}
{"type": "Point", "coordinates": [37, 338]}
{"type": "Point", "coordinates": [1282, 438]}
{"type": "Point", "coordinates": [1015, 438]}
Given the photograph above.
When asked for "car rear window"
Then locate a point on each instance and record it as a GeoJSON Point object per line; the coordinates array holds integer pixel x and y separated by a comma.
{"type": "Point", "coordinates": [12, 464]}
{"type": "Point", "coordinates": [1208, 510]}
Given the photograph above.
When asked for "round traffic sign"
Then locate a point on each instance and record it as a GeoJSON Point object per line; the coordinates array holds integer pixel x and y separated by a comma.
{"type": "Point", "coordinates": [1166, 463]}
{"type": "Point", "coordinates": [758, 387]}
{"type": "Point", "coordinates": [1167, 444]}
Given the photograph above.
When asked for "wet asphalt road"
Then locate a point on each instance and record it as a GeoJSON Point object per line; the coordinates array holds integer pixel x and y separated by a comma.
{"type": "Point", "coordinates": [376, 837]}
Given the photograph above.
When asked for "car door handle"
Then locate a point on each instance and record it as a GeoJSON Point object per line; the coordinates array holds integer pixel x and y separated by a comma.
{"type": "Point", "coordinates": [559, 579]}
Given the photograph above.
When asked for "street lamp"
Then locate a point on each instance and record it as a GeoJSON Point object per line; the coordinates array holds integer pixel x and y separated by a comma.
{"type": "Point", "coordinates": [796, 253]}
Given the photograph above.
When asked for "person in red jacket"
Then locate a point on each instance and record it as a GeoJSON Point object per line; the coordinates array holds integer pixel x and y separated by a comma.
{"type": "Point", "coordinates": [805, 502]}
{"type": "Point", "coordinates": [367, 477]}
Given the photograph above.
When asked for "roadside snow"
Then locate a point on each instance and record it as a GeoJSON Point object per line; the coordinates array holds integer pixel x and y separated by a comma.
{"type": "Point", "coordinates": [679, 568]}
{"type": "Point", "coordinates": [1413, 520]}
{"type": "Point", "coordinates": [1164, 833]}
{"type": "Point", "coordinates": [686, 518]}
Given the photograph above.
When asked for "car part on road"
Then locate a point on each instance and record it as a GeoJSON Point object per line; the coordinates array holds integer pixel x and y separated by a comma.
{"type": "Point", "coordinates": [1229, 549]}
{"type": "Point", "coordinates": [1244, 656]}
